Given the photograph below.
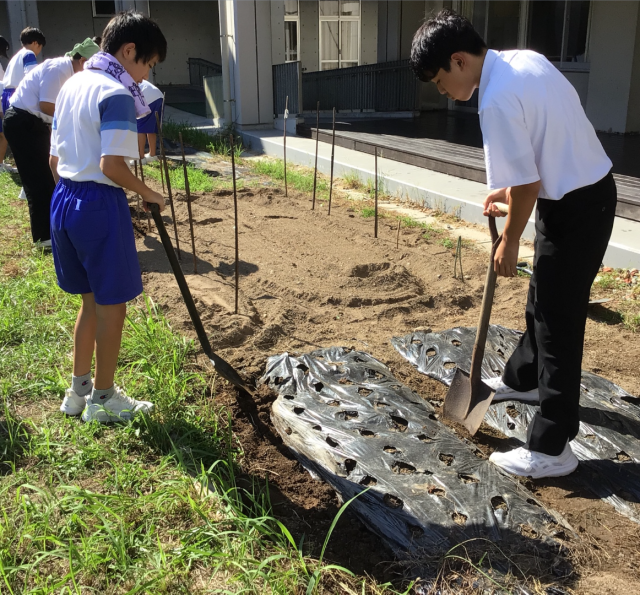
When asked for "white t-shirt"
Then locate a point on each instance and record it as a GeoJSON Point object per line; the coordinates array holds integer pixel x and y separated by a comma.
{"type": "Point", "coordinates": [43, 83]}
{"type": "Point", "coordinates": [534, 127]}
{"type": "Point", "coordinates": [95, 116]}
{"type": "Point", "coordinates": [150, 92]}
{"type": "Point", "coordinates": [22, 62]}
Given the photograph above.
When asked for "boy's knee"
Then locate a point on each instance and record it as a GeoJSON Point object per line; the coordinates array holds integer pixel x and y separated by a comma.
{"type": "Point", "coordinates": [111, 312]}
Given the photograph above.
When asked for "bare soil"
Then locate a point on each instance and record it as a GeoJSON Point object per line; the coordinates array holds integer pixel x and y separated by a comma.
{"type": "Point", "coordinates": [309, 280]}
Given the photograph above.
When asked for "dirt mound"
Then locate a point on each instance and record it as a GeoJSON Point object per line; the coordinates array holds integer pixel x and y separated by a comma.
{"type": "Point", "coordinates": [309, 280]}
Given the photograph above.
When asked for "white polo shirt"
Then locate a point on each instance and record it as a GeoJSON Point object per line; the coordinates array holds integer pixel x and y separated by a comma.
{"type": "Point", "coordinates": [534, 127]}
{"type": "Point", "coordinates": [43, 83]}
{"type": "Point", "coordinates": [20, 64]}
{"type": "Point", "coordinates": [95, 116]}
{"type": "Point", "coordinates": [150, 92]}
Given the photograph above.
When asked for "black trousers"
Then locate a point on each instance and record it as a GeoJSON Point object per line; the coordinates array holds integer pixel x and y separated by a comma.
{"type": "Point", "coordinates": [29, 138]}
{"type": "Point", "coordinates": [571, 238]}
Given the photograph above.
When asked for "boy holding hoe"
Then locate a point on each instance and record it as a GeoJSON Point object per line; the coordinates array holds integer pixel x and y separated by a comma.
{"type": "Point", "coordinates": [540, 150]}
{"type": "Point", "coordinates": [94, 252]}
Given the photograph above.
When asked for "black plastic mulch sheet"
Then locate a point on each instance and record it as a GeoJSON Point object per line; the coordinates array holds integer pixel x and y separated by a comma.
{"type": "Point", "coordinates": [352, 424]}
{"type": "Point", "coordinates": [608, 444]}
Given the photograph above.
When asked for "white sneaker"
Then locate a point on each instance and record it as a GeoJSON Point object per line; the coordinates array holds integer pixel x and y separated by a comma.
{"type": "Point", "coordinates": [529, 463]}
{"type": "Point", "coordinates": [150, 158]}
{"type": "Point", "coordinates": [73, 403]}
{"type": "Point", "coordinates": [119, 407]}
{"type": "Point", "coordinates": [506, 393]}
{"type": "Point", "coordinates": [8, 168]}
{"type": "Point", "coordinates": [22, 195]}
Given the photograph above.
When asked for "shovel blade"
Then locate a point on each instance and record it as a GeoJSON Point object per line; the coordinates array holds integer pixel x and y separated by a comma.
{"type": "Point", "coordinates": [467, 402]}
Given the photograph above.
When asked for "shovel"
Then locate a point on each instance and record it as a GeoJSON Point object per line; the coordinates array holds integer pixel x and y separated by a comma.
{"type": "Point", "coordinates": [469, 397]}
{"type": "Point", "coordinates": [225, 369]}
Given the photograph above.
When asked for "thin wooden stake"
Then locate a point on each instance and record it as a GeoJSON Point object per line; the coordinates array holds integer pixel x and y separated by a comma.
{"type": "Point", "coordinates": [398, 235]}
{"type": "Point", "coordinates": [286, 115]}
{"type": "Point", "coordinates": [235, 208]}
{"type": "Point", "coordinates": [135, 166]}
{"type": "Point", "coordinates": [375, 233]}
{"type": "Point", "coordinates": [162, 176]}
{"type": "Point", "coordinates": [315, 169]}
{"type": "Point", "coordinates": [458, 260]}
{"type": "Point", "coordinates": [148, 214]}
{"type": "Point", "coordinates": [188, 192]}
{"type": "Point", "coordinates": [163, 162]}
{"type": "Point", "coordinates": [333, 147]}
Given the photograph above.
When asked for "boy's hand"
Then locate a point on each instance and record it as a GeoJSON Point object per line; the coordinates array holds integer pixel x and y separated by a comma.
{"type": "Point", "coordinates": [500, 195]}
{"type": "Point", "coordinates": [150, 196]}
{"type": "Point", "coordinates": [505, 261]}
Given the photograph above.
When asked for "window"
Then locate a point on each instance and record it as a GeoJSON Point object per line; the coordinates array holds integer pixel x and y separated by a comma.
{"type": "Point", "coordinates": [339, 34]}
{"type": "Point", "coordinates": [496, 21]}
{"type": "Point", "coordinates": [291, 30]}
{"type": "Point", "coordinates": [559, 29]}
{"type": "Point", "coordinates": [103, 9]}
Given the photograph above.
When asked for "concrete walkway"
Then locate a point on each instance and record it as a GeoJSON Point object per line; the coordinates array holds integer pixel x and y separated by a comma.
{"type": "Point", "coordinates": [423, 187]}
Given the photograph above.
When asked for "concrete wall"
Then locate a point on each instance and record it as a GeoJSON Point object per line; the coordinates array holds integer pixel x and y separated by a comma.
{"type": "Point", "coordinates": [66, 23]}
{"type": "Point", "coordinates": [192, 30]}
{"type": "Point", "coordinates": [412, 17]}
{"type": "Point", "coordinates": [277, 32]}
{"type": "Point", "coordinates": [612, 46]}
{"type": "Point", "coordinates": [369, 32]}
{"type": "Point", "coordinates": [633, 112]}
{"type": "Point", "coordinates": [309, 36]}
{"type": "Point", "coordinates": [580, 81]}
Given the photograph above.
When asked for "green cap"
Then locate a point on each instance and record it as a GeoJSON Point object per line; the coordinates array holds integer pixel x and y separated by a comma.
{"type": "Point", "coordinates": [86, 49]}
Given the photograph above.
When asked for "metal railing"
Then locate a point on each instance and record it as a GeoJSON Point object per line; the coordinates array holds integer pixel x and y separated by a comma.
{"type": "Point", "coordinates": [384, 87]}
{"type": "Point", "coordinates": [287, 81]}
{"type": "Point", "coordinates": [199, 68]}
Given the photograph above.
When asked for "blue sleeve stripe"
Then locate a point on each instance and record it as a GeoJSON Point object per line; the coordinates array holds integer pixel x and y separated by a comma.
{"type": "Point", "coordinates": [118, 125]}
{"type": "Point", "coordinates": [118, 108]}
{"type": "Point", "coordinates": [29, 59]}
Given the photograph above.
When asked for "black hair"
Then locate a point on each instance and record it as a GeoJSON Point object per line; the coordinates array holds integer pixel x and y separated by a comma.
{"type": "Point", "coordinates": [77, 56]}
{"type": "Point", "coordinates": [97, 40]}
{"type": "Point", "coordinates": [439, 38]}
{"type": "Point", "coordinates": [4, 47]}
{"type": "Point", "coordinates": [31, 34]}
{"type": "Point", "coordinates": [134, 27]}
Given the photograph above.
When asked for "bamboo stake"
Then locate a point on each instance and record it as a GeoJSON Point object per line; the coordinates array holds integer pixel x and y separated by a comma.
{"type": "Point", "coordinates": [235, 208]}
{"type": "Point", "coordinates": [135, 166]}
{"type": "Point", "coordinates": [375, 233]}
{"type": "Point", "coordinates": [458, 260]}
{"type": "Point", "coordinates": [188, 192]}
{"type": "Point", "coordinates": [398, 235]}
{"type": "Point", "coordinates": [163, 162]}
{"type": "Point", "coordinates": [286, 115]}
{"type": "Point", "coordinates": [315, 170]}
{"type": "Point", "coordinates": [333, 146]}
{"type": "Point", "coordinates": [142, 178]}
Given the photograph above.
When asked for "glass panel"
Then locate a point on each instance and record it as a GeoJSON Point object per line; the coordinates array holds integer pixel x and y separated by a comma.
{"type": "Point", "coordinates": [290, 41]}
{"type": "Point", "coordinates": [291, 8]}
{"type": "Point", "coordinates": [479, 18]}
{"type": "Point", "coordinates": [577, 34]}
{"type": "Point", "coordinates": [105, 8]}
{"type": "Point", "coordinates": [329, 40]}
{"type": "Point", "coordinates": [545, 28]}
{"type": "Point", "coordinates": [329, 66]}
{"type": "Point", "coordinates": [502, 32]}
{"type": "Point", "coordinates": [349, 41]}
{"type": "Point", "coordinates": [350, 8]}
{"type": "Point", "coordinates": [329, 8]}
{"type": "Point", "coordinates": [348, 64]}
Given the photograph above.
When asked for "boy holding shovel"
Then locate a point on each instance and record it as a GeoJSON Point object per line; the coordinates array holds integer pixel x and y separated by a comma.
{"type": "Point", "coordinates": [94, 250]}
{"type": "Point", "coordinates": [540, 150]}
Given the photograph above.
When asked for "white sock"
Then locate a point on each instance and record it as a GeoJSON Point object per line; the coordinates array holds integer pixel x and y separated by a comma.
{"type": "Point", "coordinates": [82, 385]}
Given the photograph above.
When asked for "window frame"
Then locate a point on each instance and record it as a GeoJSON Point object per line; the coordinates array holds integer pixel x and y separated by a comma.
{"type": "Point", "coordinates": [296, 19]}
{"type": "Point", "coordinates": [101, 15]}
{"type": "Point", "coordinates": [339, 19]}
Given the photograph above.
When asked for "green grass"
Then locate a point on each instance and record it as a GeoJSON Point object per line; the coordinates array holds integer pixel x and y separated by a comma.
{"type": "Point", "coordinates": [218, 144]}
{"type": "Point", "coordinates": [151, 506]}
{"type": "Point", "coordinates": [300, 178]}
{"type": "Point", "coordinates": [352, 180]}
{"type": "Point", "coordinates": [199, 181]}
{"type": "Point", "coordinates": [448, 243]}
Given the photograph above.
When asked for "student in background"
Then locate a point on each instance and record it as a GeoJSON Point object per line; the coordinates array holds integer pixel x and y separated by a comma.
{"type": "Point", "coordinates": [23, 61]}
{"type": "Point", "coordinates": [26, 125]}
{"type": "Point", "coordinates": [94, 250]}
{"type": "Point", "coordinates": [147, 125]}
{"type": "Point", "coordinates": [4, 48]}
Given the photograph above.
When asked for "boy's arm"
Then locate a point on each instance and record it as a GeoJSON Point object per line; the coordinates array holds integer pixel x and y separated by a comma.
{"type": "Point", "coordinates": [115, 168]}
{"type": "Point", "coordinates": [53, 165]}
{"type": "Point", "coordinates": [29, 62]}
{"type": "Point", "coordinates": [521, 200]}
{"type": "Point", "coordinates": [47, 108]}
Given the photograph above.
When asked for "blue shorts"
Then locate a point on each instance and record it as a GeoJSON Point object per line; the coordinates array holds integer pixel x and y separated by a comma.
{"type": "Point", "coordinates": [94, 249]}
{"type": "Point", "coordinates": [147, 124]}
